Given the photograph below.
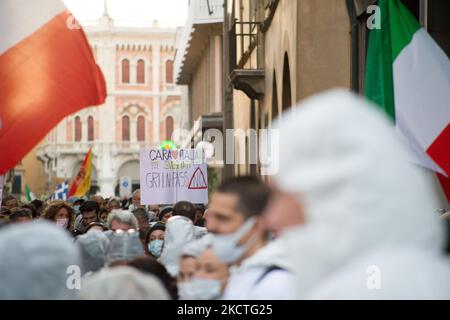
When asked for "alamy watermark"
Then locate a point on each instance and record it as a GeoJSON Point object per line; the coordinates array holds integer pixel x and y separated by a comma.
{"type": "Point", "coordinates": [72, 23]}
{"type": "Point", "coordinates": [237, 147]}
{"type": "Point", "coordinates": [374, 19]}
{"type": "Point", "coordinates": [374, 277]}
{"type": "Point", "coordinates": [73, 281]}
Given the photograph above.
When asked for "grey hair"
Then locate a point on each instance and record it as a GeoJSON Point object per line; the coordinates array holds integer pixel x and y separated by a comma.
{"type": "Point", "coordinates": [124, 283]}
{"type": "Point", "coordinates": [122, 216]}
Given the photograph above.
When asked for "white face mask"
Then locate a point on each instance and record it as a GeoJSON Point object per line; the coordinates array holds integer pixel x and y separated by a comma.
{"type": "Point", "coordinates": [200, 289]}
{"type": "Point", "coordinates": [226, 246]}
{"type": "Point", "coordinates": [62, 222]}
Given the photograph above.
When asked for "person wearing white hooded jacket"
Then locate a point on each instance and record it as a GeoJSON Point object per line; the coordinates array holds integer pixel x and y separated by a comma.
{"type": "Point", "coordinates": [258, 269]}
{"type": "Point", "coordinates": [180, 230]}
{"type": "Point", "coordinates": [369, 227]}
{"type": "Point", "coordinates": [38, 261]}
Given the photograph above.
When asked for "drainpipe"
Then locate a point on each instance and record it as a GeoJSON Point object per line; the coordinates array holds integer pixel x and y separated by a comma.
{"type": "Point", "coordinates": [354, 45]}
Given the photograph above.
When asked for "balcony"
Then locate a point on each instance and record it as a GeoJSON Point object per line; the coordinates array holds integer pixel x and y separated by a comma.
{"type": "Point", "coordinates": [205, 18]}
{"type": "Point", "coordinates": [250, 81]}
{"type": "Point", "coordinates": [246, 41]}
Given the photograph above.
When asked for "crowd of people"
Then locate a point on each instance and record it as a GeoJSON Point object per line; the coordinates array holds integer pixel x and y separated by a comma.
{"type": "Point", "coordinates": [345, 217]}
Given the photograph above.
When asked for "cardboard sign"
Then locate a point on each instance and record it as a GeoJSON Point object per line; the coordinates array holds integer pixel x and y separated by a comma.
{"type": "Point", "coordinates": [125, 187]}
{"type": "Point", "coordinates": [1, 190]}
{"type": "Point", "coordinates": [170, 176]}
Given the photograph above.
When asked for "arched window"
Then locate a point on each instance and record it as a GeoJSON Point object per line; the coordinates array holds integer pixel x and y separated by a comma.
{"type": "Point", "coordinates": [169, 128]}
{"type": "Point", "coordinates": [141, 128]}
{"type": "Point", "coordinates": [77, 128]}
{"type": "Point", "coordinates": [169, 71]}
{"type": "Point", "coordinates": [125, 128]}
{"type": "Point", "coordinates": [90, 128]}
{"type": "Point", "coordinates": [140, 74]}
{"type": "Point", "coordinates": [125, 71]}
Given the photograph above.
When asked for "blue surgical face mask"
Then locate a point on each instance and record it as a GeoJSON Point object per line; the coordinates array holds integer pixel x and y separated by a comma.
{"type": "Point", "coordinates": [155, 247]}
{"type": "Point", "coordinates": [200, 289]}
{"type": "Point", "coordinates": [226, 246]}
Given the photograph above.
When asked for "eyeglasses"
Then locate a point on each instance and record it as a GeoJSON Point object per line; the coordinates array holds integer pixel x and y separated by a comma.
{"type": "Point", "coordinates": [122, 232]}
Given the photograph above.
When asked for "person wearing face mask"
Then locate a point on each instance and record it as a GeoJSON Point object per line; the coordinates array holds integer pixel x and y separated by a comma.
{"type": "Point", "coordinates": [60, 213]}
{"type": "Point", "coordinates": [154, 240]}
{"type": "Point", "coordinates": [257, 270]}
{"type": "Point", "coordinates": [124, 247]}
{"type": "Point", "coordinates": [368, 227]}
{"type": "Point", "coordinates": [187, 266]}
{"type": "Point", "coordinates": [210, 277]}
{"type": "Point", "coordinates": [180, 230]}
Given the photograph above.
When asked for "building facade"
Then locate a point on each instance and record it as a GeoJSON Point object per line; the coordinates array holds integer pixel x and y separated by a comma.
{"type": "Point", "coordinates": [275, 53]}
{"type": "Point", "coordinates": [198, 67]}
{"type": "Point", "coordinates": [142, 109]}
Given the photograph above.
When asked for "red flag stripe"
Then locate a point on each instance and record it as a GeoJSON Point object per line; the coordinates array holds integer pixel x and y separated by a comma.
{"type": "Point", "coordinates": [439, 151]}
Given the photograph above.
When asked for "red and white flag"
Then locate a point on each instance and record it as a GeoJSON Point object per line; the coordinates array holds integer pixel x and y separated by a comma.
{"type": "Point", "coordinates": [47, 72]}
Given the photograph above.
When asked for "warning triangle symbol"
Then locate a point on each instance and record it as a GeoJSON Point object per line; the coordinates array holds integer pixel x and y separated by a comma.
{"type": "Point", "coordinates": [198, 181]}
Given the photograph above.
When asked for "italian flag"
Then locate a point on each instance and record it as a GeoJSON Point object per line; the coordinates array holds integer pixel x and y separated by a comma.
{"type": "Point", "coordinates": [408, 75]}
{"type": "Point", "coordinates": [30, 194]}
{"type": "Point", "coordinates": [47, 72]}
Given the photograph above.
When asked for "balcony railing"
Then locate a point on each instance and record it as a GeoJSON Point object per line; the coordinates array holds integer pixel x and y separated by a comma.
{"type": "Point", "coordinates": [247, 34]}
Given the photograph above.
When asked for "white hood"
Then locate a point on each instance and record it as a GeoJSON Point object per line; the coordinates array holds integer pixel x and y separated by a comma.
{"type": "Point", "coordinates": [271, 255]}
{"type": "Point", "coordinates": [255, 279]}
{"type": "Point", "coordinates": [37, 261]}
{"type": "Point", "coordinates": [179, 231]}
{"type": "Point", "coordinates": [341, 157]}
